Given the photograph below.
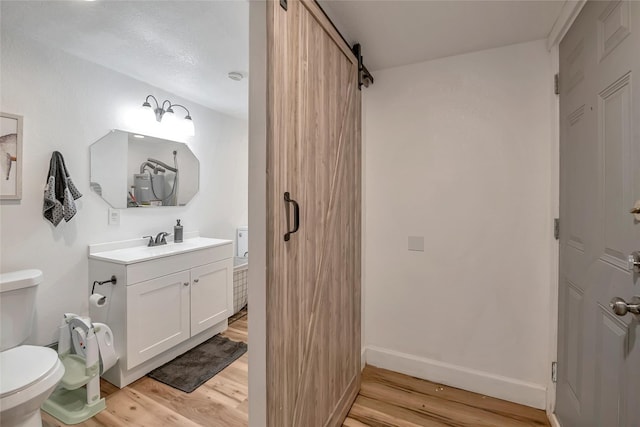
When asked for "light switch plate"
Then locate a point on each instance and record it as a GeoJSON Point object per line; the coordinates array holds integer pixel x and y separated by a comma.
{"type": "Point", "coordinates": [114, 216]}
{"type": "Point", "coordinates": [416, 243]}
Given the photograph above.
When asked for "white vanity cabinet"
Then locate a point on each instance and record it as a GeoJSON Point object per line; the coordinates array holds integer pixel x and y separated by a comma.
{"type": "Point", "coordinates": [167, 300]}
{"type": "Point", "coordinates": [161, 308]}
{"type": "Point", "coordinates": [211, 297]}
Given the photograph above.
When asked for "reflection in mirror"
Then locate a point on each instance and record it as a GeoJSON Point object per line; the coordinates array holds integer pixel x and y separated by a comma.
{"type": "Point", "coordinates": [132, 170]}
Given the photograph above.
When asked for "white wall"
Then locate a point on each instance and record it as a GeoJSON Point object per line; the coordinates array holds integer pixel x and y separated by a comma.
{"type": "Point", "coordinates": [458, 150]}
{"type": "Point", "coordinates": [68, 104]}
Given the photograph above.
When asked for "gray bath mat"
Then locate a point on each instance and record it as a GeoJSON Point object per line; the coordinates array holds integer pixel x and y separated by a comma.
{"type": "Point", "coordinates": [190, 370]}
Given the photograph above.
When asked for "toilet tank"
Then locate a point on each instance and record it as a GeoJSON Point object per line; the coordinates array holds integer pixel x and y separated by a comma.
{"type": "Point", "coordinates": [17, 306]}
{"type": "Point", "coordinates": [242, 235]}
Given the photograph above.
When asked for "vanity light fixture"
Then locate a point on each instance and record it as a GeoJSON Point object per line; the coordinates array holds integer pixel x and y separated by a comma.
{"type": "Point", "coordinates": [165, 112]}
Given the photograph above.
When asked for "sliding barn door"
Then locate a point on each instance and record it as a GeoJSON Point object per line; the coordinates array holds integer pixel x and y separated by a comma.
{"type": "Point", "coordinates": [313, 274]}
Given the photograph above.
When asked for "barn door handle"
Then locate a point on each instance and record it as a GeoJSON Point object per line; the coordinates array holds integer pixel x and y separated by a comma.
{"type": "Point", "coordinates": [296, 216]}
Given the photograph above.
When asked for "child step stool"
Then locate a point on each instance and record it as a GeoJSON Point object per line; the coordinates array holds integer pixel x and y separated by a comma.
{"type": "Point", "coordinates": [86, 350]}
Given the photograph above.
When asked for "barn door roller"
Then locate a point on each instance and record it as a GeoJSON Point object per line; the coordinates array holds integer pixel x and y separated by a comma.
{"type": "Point", "coordinates": [364, 76]}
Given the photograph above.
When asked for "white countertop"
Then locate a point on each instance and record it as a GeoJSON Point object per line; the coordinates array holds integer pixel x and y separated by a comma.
{"type": "Point", "coordinates": [139, 253]}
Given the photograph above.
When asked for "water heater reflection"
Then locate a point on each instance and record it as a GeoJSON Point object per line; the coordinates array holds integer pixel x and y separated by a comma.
{"type": "Point", "coordinates": [157, 183]}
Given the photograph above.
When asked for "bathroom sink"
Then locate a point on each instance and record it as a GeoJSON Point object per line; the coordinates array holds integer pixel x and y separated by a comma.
{"type": "Point", "coordinates": [141, 253]}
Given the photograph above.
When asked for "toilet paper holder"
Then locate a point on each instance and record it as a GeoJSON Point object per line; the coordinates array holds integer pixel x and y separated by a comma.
{"type": "Point", "coordinates": [112, 280]}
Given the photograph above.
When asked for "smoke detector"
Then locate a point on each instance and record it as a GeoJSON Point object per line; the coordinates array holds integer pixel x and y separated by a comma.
{"type": "Point", "coordinates": [234, 75]}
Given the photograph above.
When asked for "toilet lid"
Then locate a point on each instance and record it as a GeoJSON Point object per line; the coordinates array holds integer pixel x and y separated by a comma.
{"type": "Point", "coordinates": [23, 365]}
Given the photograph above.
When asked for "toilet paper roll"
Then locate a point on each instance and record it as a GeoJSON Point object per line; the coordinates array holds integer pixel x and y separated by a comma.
{"type": "Point", "coordinates": [97, 300]}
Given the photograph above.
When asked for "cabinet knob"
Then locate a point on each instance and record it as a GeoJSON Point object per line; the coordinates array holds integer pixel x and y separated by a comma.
{"type": "Point", "coordinates": [186, 283]}
{"type": "Point", "coordinates": [196, 280]}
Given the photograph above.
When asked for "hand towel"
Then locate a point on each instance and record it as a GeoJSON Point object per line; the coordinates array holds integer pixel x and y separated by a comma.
{"type": "Point", "coordinates": [52, 209]}
{"type": "Point", "coordinates": [71, 193]}
{"type": "Point", "coordinates": [60, 192]}
{"type": "Point", "coordinates": [72, 188]}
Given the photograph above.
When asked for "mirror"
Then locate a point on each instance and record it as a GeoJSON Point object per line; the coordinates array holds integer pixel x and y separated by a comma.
{"type": "Point", "coordinates": [130, 170]}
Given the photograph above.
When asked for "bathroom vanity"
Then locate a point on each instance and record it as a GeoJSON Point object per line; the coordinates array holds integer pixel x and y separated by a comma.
{"type": "Point", "coordinates": [167, 299]}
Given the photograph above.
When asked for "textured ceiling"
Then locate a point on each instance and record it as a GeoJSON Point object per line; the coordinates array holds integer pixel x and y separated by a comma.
{"type": "Point", "coordinates": [184, 47]}
{"type": "Point", "coordinates": [394, 33]}
{"type": "Point", "coordinates": [188, 47]}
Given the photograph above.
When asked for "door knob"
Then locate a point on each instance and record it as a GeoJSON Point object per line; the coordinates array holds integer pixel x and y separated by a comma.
{"type": "Point", "coordinates": [620, 307]}
{"type": "Point", "coordinates": [634, 262]}
{"type": "Point", "coordinates": [196, 280]}
{"type": "Point", "coordinates": [635, 210]}
{"type": "Point", "coordinates": [186, 283]}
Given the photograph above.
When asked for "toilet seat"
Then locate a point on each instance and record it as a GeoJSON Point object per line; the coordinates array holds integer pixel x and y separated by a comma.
{"type": "Point", "coordinates": [42, 362]}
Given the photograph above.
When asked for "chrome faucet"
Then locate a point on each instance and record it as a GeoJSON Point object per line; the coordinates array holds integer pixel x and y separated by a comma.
{"type": "Point", "coordinates": [161, 239]}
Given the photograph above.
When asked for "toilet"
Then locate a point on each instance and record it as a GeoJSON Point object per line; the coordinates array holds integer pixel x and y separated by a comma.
{"type": "Point", "coordinates": [242, 239]}
{"type": "Point", "coordinates": [241, 270]}
{"type": "Point", "coordinates": [28, 373]}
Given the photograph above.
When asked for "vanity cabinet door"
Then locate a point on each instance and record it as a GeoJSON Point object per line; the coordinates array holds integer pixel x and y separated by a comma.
{"type": "Point", "coordinates": [211, 294]}
{"type": "Point", "coordinates": [157, 316]}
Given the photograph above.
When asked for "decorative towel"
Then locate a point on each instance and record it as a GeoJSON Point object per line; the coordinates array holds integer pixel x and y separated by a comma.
{"type": "Point", "coordinates": [59, 193]}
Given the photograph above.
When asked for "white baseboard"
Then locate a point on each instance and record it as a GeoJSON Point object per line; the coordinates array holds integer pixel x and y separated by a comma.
{"type": "Point", "coordinates": [506, 388]}
{"type": "Point", "coordinates": [554, 420]}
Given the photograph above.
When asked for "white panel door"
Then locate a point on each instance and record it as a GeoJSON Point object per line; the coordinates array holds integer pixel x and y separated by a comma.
{"type": "Point", "coordinates": [163, 306]}
{"type": "Point", "coordinates": [211, 294]}
{"type": "Point", "coordinates": [598, 349]}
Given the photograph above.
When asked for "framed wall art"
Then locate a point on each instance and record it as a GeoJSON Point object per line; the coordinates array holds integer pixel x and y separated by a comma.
{"type": "Point", "coordinates": [10, 156]}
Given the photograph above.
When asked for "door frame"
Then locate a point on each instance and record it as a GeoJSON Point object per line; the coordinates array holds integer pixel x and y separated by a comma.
{"type": "Point", "coordinates": [258, 207]}
{"type": "Point", "coordinates": [258, 212]}
{"type": "Point", "coordinates": [554, 262]}
{"type": "Point", "coordinates": [568, 15]}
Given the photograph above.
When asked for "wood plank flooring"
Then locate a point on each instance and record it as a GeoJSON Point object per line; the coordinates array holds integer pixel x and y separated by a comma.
{"type": "Point", "coordinates": [221, 401]}
{"type": "Point", "coordinates": [386, 399]}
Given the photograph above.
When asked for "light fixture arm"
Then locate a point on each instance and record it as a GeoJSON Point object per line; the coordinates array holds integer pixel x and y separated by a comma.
{"type": "Point", "coordinates": [146, 101]}
{"type": "Point", "coordinates": [167, 107]}
{"type": "Point", "coordinates": [159, 111]}
{"type": "Point", "coordinates": [185, 109]}
{"type": "Point", "coordinates": [168, 103]}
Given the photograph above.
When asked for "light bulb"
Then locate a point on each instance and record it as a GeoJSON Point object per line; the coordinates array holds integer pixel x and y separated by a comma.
{"type": "Point", "coordinates": [187, 126]}
{"type": "Point", "coordinates": [146, 113]}
{"type": "Point", "coordinates": [169, 121]}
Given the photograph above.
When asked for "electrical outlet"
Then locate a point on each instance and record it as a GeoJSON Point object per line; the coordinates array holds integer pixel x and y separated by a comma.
{"type": "Point", "coordinates": [114, 216]}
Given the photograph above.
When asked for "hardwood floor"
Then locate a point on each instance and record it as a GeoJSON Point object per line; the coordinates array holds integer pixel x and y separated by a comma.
{"type": "Point", "coordinates": [221, 401]}
{"type": "Point", "coordinates": [386, 399]}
